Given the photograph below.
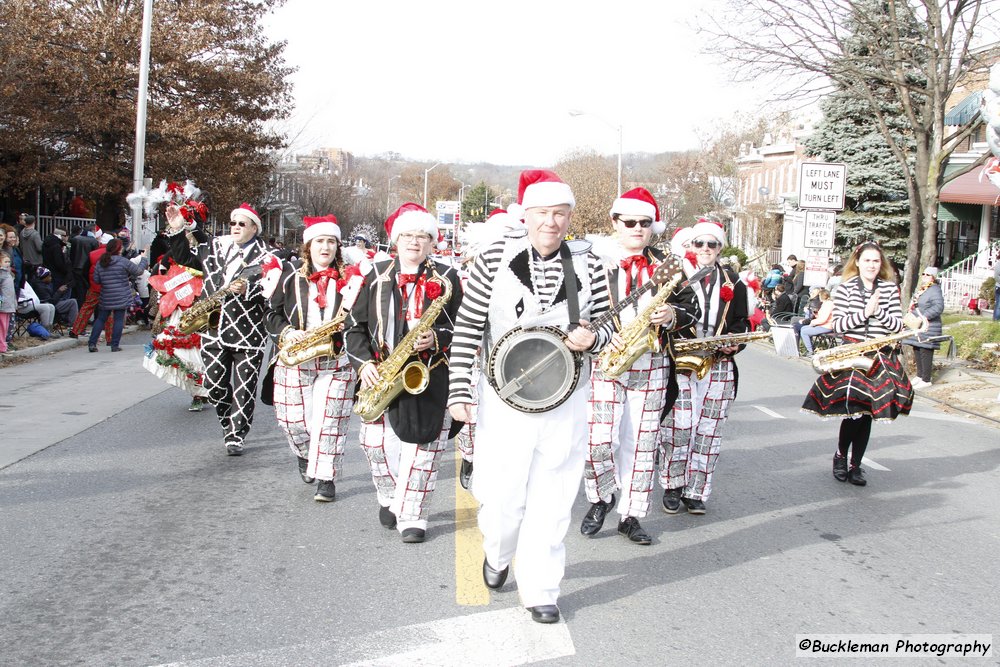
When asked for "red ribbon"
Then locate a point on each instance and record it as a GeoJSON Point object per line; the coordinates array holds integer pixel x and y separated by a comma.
{"type": "Point", "coordinates": [639, 263]}
{"type": "Point", "coordinates": [418, 294]}
{"type": "Point", "coordinates": [322, 280]}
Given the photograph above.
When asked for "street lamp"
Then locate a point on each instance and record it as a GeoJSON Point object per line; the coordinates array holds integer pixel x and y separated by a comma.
{"type": "Point", "coordinates": [427, 171]}
{"type": "Point", "coordinates": [576, 113]}
{"type": "Point", "coordinates": [388, 193]}
{"type": "Point", "coordinates": [138, 166]}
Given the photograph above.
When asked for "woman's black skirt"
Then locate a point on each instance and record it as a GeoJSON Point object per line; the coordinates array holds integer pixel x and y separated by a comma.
{"type": "Point", "coordinates": [884, 392]}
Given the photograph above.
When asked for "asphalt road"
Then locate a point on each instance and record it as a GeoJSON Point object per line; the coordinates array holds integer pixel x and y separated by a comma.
{"type": "Point", "coordinates": [136, 541]}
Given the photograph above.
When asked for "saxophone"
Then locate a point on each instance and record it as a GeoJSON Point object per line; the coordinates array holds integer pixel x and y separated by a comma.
{"type": "Point", "coordinates": [396, 374]}
{"type": "Point", "coordinates": [852, 355]}
{"type": "Point", "coordinates": [317, 343]}
{"type": "Point", "coordinates": [205, 314]}
{"type": "Point", "coordinates": [698, 354]}
{"type": "Point", "coordinates": [638, 335]}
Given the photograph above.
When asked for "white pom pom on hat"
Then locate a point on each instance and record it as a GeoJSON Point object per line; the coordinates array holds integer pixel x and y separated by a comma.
{"type": "Point", "coordinates": [639, 202]}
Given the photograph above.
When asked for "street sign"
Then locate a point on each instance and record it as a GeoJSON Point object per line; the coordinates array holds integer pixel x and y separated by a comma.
{"type": "Point", "coordinates": [820, 227]}
{"type": "Point", "coordinates": [817, 263]}
{"type": "Point", "coordinates": [822, 186]}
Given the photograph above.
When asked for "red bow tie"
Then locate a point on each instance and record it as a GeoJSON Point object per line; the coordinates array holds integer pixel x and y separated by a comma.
{"type": "Point", "coordinates": [322, 280]}
{"type": "Point", "coordinates": [638, 261]}
{"type": "Point", "coordinates": [407, 278]}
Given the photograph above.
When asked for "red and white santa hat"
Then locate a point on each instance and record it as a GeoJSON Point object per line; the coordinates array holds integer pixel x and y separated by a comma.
{"type": "Point", "coordinates": [681, 236]}
{"type": "Point", "coordinates": [541, 187]}
{"type": "Point", "coordinates": [639, 202]}
{"type": "Point", "coordinates": [246, 212]}
{"type": "Point", "coordinates": [706, 227]}
{"type": "Point", "coordinates": [414, 219]}
{"type": "Point", "coordinates": [325, 225]}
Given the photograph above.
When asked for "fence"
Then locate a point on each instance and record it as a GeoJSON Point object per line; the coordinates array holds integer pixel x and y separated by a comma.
{"type": "Point", "coordinates": [47, 223]}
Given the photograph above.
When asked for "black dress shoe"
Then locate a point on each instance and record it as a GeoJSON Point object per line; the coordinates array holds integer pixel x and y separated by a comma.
{"type": "Point", "coordinates": [672, 500]}
{"type": "Point", "coordinates": [326, 491]}
{"type": "Point", "coordinates": [92, 348]}
{"type": "Point", "coordinates": [544, 613]}
{"type": "Point", "coordinates": [494, 579]}
{"type": "Point", "coordinates": [386, 517]}
{"type": "Point", "coordinates": [840, 468]}
{"type": "Point", "coordinates": [465, 474]}
{"type": "Point", "coordinates": [694, 506]}
{"type": "Point", "coordinates": [630, 529]}
{"type": "Point", "coordinates": [413, 535]}
{"type": "Point", "coordinates": [303, 466]}
{"type": "Point", "coordinates": [115, 348]}
{"type": "Point", "coordinates": [857, 476]}
{"type": "Point", "coordinates": [594, 518]}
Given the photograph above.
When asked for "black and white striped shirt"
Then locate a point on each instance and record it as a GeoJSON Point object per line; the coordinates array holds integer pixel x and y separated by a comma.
{"type": "Point", "coordinates": [471, 322]}
{"type": "Point", "coordinates": [850, 298]}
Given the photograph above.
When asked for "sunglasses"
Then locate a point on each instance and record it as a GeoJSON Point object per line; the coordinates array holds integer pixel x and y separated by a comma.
{"type": "Point", "coordinates": [239, 223]}
{"type": "Point", "coordinates": [644, 223]}
{"type": "Point", "coordinates": [711, 244]}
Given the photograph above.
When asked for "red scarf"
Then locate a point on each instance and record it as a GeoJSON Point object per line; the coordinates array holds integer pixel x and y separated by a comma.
{"type": "Point", "coordinates": [322, 280]}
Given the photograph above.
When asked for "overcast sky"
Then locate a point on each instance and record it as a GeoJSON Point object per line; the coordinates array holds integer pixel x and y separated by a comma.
{"type": "Point", "coordinates": [466, 81]}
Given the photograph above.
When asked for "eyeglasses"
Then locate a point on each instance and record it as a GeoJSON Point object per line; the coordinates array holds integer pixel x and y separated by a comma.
{"type": "Point", "coordinates": [644, 223]}
{"type": "Point", "coordinates": [420, 238]}
{"type": "Point", "coordinates": [711, 244]}
{"type": "Point", "coordinates": [239, 223]}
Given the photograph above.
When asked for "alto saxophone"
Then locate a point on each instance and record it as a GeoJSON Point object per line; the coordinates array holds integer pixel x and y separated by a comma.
{"type": "Point", "coordinates": [317, 343]}
{"type": "Point", "coordinates": [205, 314]}
{"type": "Point", "coordinates": [852, 355]}
{"type": "Point", "coordinates": [698, 354]}
{"type": "Point", "coordinates": [395, 374]}
{"type": "Point", "coordinates": [638, 336]}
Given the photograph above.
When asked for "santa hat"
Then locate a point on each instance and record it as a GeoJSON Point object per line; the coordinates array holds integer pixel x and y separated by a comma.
{"type": "Point", "coordinates": [639, 202]}
{"type": "Point", "coordinates": [411, 218]}
{"type": "Point", "coordinates": [246, 211]}
{"type": "Point", "coordinates": [706, 227]}
{"type": "Point", "coordinates": [502, 218]}
{"type": "Point", "coordinates": [320, 226]}
{"type": "Point", "coordinates": [541, 187]}
{"type": "Point", "coordinates": [681, 236]}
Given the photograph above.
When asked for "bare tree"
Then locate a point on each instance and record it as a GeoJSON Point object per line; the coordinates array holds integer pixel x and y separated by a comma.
{"type": "Point", "coordinates": [915, 50]}
{"type": "Point", "coordinates": [593, 179]}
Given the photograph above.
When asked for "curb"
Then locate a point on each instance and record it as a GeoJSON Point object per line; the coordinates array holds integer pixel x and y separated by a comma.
{"type": "Point", "coordinates": [57, 345]}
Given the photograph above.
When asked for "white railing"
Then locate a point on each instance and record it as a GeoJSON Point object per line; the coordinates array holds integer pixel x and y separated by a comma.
{"type": "Point", "coordinates": [47, 223]}
{"type": "Point", "coordinates": [963, 280]}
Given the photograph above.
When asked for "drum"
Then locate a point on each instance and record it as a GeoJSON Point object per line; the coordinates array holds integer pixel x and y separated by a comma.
{"type": "Point", "coordinates": [532, 370]}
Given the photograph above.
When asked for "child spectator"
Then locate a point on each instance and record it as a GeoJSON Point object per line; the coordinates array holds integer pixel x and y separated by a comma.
{"type": "Point", "coordinates": [8, 299]}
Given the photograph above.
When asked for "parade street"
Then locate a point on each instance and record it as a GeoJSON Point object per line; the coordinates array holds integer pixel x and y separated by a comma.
{"type": "Point", "coordinates": [130, 538]}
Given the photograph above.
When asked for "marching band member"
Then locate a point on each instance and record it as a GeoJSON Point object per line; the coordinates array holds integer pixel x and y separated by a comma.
{"type": "Point", "coordinates": [866, 306]}
{"type": "Point", "coordinates": [313, 399]}
{"type": "Point", "coordinates": [624, 412]}
{"type": "Point", "coordinates": [404, 444]}
{"type": "Point", "coordinates": [528, 466]}
{"type": "Point", "coordinates": [233, 353]}
{"type": "Point", "coordinates": [691, 434]}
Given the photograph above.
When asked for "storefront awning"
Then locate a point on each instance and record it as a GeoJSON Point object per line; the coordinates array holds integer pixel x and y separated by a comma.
{"type": "Point", "coordinates": [969, 189]}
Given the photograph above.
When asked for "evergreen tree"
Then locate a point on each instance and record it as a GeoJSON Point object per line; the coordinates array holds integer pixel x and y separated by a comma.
{"type": "Point", "coordinates": [877, 205]}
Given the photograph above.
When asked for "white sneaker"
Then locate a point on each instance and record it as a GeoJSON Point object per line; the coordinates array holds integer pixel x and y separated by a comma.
{"type": "Point", "coordinates": [917, 383]}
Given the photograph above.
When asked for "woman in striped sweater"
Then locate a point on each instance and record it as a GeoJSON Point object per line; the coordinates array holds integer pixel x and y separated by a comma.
{"type": "Point", "coordinates": [866, 306]}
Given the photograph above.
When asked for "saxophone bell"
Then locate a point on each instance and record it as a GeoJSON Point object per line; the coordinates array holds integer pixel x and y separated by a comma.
{"type": "Point", "coordinates": [415, 377]}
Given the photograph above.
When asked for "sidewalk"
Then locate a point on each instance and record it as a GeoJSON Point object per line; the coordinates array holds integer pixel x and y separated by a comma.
{"type": "Point", "coordinates": [36, 409]}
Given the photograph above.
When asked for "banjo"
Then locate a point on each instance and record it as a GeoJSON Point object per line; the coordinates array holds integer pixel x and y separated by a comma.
{"type": "Point", "coordinates": [533, 371]}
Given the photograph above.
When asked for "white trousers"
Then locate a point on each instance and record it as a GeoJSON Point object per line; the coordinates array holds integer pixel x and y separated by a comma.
{"type": "Point", "coordinates": [528, 471]}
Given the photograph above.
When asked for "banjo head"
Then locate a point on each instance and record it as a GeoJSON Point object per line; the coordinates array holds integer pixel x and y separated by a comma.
{"type": "Point", "coordinates": [532, 370]}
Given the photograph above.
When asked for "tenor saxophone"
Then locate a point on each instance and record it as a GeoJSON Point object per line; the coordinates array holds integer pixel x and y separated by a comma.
{"type": "Point", "coordinates": [698, 354]}
{"type": "Point", "coordinates": [395, 374]}
{"type": "Point", "coordinates": [638, 336]}
{"type": "Point", "coordinates": [205, 314]}
{"type": "Point", "coordinates": [852, 355]}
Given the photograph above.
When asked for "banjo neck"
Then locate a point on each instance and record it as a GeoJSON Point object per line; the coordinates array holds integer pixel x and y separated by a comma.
{"type": "Point", "coordinates": [669, 267]}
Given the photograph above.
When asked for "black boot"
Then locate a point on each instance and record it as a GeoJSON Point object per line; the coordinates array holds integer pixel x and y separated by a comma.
{"type": "Point", "coordinates": [840, 468]}
{"type": "Point", "coordinates": [857, 476]}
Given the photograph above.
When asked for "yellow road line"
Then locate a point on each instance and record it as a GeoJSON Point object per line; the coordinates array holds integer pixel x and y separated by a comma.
{"type": "Point", "coordinates": [469, 587]}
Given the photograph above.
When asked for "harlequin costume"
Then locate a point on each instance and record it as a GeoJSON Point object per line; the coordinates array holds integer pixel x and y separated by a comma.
{"type": "Point", "coordinates": [403, 445]}
{"type": "Point", "coordinates": [691, 434]}
{"type": "Point", "coordinates": [313, 400]}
